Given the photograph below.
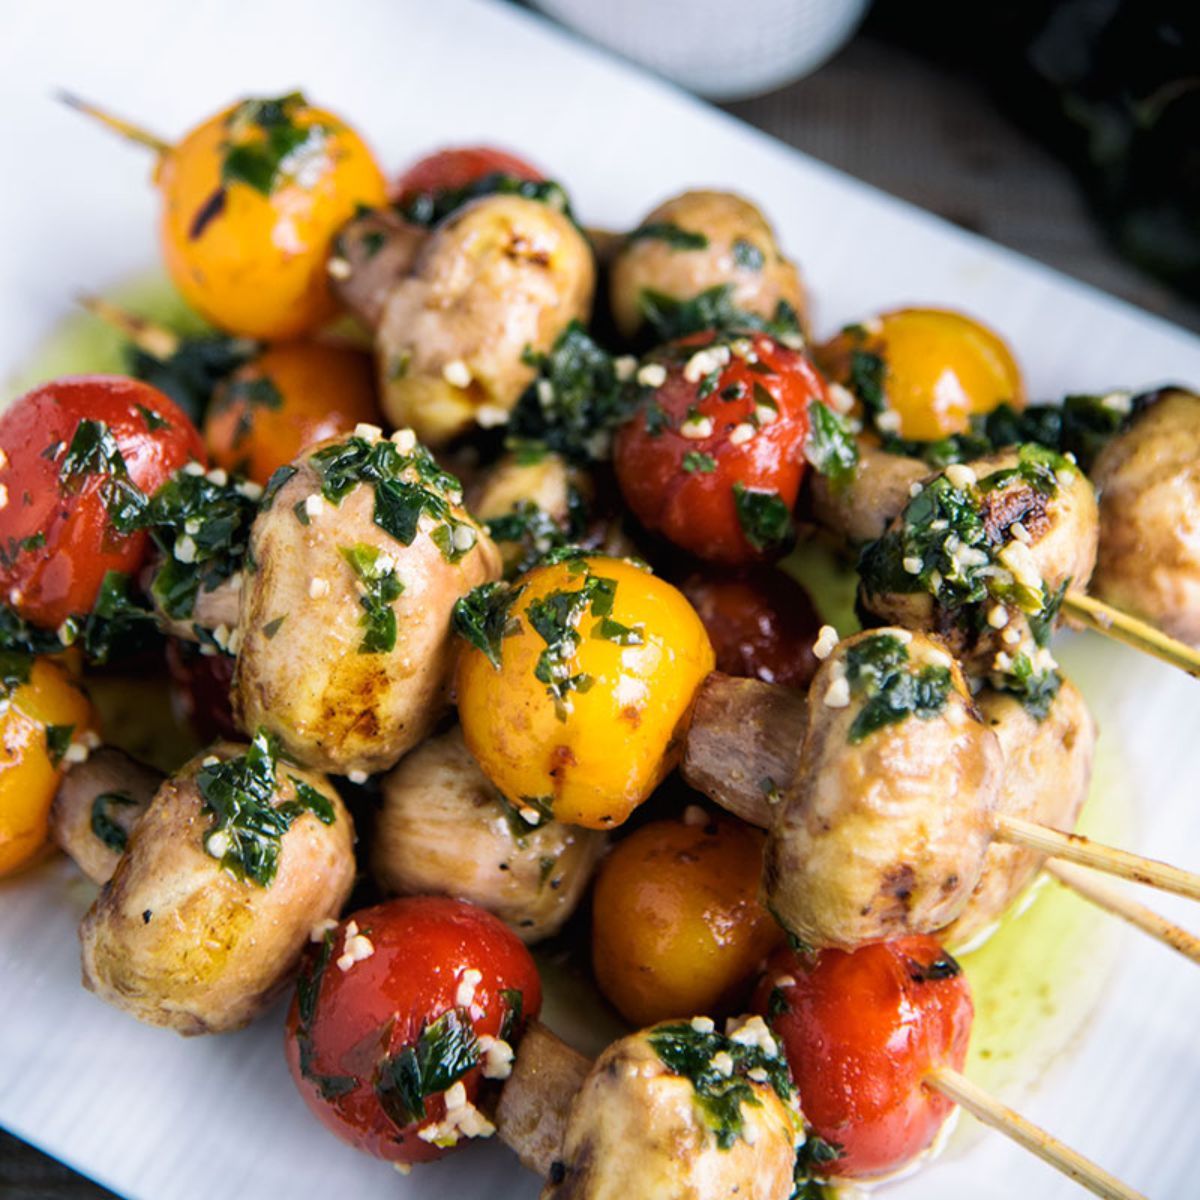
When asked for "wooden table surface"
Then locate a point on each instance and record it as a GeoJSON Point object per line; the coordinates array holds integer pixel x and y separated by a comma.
{"type": "Point", "coordinates": [885, 116]}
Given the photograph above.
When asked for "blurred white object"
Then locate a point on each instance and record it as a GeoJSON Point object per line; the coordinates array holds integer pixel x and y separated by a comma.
{"type": "Point", "coordinates": [722, 49]}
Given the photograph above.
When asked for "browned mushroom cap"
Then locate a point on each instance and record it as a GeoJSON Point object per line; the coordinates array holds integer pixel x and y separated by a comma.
{"type": "Point", "coordinates": [180, 939]}
{"type": "Point", "coordinates": [1047, 770]}
{"type": "Point", "coordinates": [695, 242]}
{"type": "Point", "coordinates": [859, 509]}
{"type": "Point", "coordinates": [884, 829]}
{"type": "Point", "coordinates": [310, 668]}
{"type": "Point", "coordinates": [1149, 483]}
{"type": "Point", "coordinates": [500, 278]}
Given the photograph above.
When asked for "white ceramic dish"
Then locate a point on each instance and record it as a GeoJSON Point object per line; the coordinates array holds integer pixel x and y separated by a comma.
{"type": "Point", "coordinates": [156, 1117]}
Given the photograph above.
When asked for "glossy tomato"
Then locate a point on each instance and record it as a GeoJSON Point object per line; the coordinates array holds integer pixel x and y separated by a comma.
{"type": "Point", "coordinates": [714, 455]}
{"type": "Point", "coordinates": [401, 1014]}
{"type": "Point", "coordinates": [76, 458]}
{"type": "Point", "coordinates": [761, 622]}
{"type": "Point", "coordinates": [458, 167]}
{"type": "Point", "coordinates": [861, 1032]}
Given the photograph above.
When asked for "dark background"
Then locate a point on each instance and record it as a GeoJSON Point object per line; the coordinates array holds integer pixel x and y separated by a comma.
{"type": "Point", "coordinates": [1068, 131]}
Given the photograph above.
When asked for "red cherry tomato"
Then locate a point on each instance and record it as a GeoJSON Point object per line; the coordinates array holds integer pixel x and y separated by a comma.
{"type": "Point", "coordinates": [761, 622]}
{"type": "Point", "coordinates": [200, 685]}
{"type": "Point", "coordinates": [71, 450]}
{"type": "Point", "coordinates": [456, 167]}
{"type": "Point", "coordinates": [714, 456]}
{"type": "Point", "coordinates": [861, 1031]}
{"type": "Point", "coordinates": [374, 1048]}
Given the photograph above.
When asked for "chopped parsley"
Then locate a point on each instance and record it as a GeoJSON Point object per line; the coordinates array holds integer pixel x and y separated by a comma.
{"type": "Point", "coordinates": [555, 618]}
{"type": "Point", "coordinates": [1036, 690]}
{"type": "Point", "coordinates": [812, 1161]}
{"type": "Point", "coordinates": [94, 451]}
{"type": "Point", "coordinates": [254, 392]}
{"type": "Point", "coordinates": [248, 827]}
{"type": "Point", "coordinates": [430, 208]}
{"type": "Point", "coordinates": [536, 531]}
{"type": "Point", "coordinates": [513, 1000]}
{"type": "Point", "coordinates": [765, 520]}
{"type": "Point", "coordinates": [671, 234]}
{"type": "Point", "coordinates": [669, 318]}
{"type": "Point", "coordinates": [878, 671]}
{"type": "Point", "coordinates": [830, 447]}
{"type": "Point", "coordinates": [747, 254]}
{"type": "Point", "coordinates": [308, 993]}
{"type": "Point", "coordinates": [445, 1050]}
{"type": "Point", "coordinates": [866, 379]}
{"type": "Point", "coordinates": [203, 531]}
{"type": "Point", "coordinates": [58, 738]}
{"type": "Point", "coordinates": [956, 543]}
{"type": "Point", "coordinates": [698, 461]}
{"type": "Point", "coordinates": [574, 404]}
{"type": "Point", "coordinates": [266, 146]}
{"type": "Point", "coordinates": [279, 478]}
{"type": "Point", "coordinates": [687, 1051]}
{"type": "Point", "coordinates": [483, 617]}
{"type": "Point", "coordinates": [104, 825]}
{"type": "Point", "coordinates": [407, 488]}
{"type": "Point", "coordinates": [381, 588]}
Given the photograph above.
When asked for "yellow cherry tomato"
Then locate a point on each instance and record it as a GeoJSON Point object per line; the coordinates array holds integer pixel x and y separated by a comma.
{"type": "Point", "coordinates": [43, 716]}
{"type": "Point", "coordinates": [252, 199]}
{"type": "Point", "coordinates": [933, 368]}
{"type": "Point", "coordinates": [286, 398]}
{"type": "Point", "coordinates": [598, 668]}
{"type": "Point", "coordinates": [677, 928]}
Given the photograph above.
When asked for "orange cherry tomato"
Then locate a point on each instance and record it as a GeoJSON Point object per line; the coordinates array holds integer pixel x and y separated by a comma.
{"type": "Point", "coordinates": [458, 167]}
{"type": "Point", "coordinates": [677, 928]}
{"type": "Point", "coordinates": [75, 453]}
{"type": "Point", "coordinates": [291, 395]}
{"type": "Point", "coordinates": [932, 368]}
{"type": "Point", "coordinates": [400, 1005]}
{"type": "Point", "coordinates": [761, 622]}
{"type": "Point", "coordinates": [861, 1032]}
{"type": "Point", "coordinates": [44, 713]}
{"type": "Point", "coordinates": [714, 456]}
{"type": "Point", "coordinates": [252, 199]}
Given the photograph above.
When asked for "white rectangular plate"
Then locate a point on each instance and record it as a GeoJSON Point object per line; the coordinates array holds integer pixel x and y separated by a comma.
{"type": "Point", "coordinates": [154, 1116]}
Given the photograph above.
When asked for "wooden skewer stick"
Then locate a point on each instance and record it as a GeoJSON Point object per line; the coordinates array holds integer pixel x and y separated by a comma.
{"type": "Point", "coordinates": [1076, 848]}
{"type": "Point", "coordinates": [126, 129]}
{"type": "Point", "coordinates": [1113, 623]}
{"type": "Point", "coordinates": [1032, 1137]}
{"type": "Point", "coordinates": [155, 340]}
{"type": "Point", "coordinates": [1109, 898]}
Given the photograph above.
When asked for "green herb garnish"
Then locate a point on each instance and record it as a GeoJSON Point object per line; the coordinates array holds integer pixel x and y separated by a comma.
{"type": "Point", "coordinates": [248, 827]}
{"type": "Point", "coordinates": [381, 588]}
{"type": "Point", "coordinates": [58, 738]}
{"type": "Point", "coordinates": [747, 254]}
{"type": "Point", "coordinates": [698, 461]}
{"type": "Point", "coordinates": [483, 617]}
{"type": "Point", "coordinates": [266, 146]}
{"type": "Point", "coordinates": [445, 1050]}
{"type": "Point", "coordinates": [671, 234]}
{"type": "Point", "coordinates": [765, 519]}
{"type": "Point", "coordinates": [831, 447]}
{"type": "Point", "coordinates": [104, 824]}
{"type": "Point", "coordinates": [878, 671]}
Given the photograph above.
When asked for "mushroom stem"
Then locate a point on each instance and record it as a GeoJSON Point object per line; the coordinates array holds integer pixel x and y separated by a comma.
{"type": "Point", "coordinates": [126, 129]}
{"type": "Point", "coordinates": [531, 1117]}
{"type": "Point", "coordinates": [743, 744]}
{"type": "Point", "coordinates": [1029, 1136]}
{"type": "Point", "coordinates": [1121, 627]}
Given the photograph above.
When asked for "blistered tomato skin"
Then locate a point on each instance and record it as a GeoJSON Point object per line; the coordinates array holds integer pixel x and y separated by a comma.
{"type": "Point", "coordinates": [458, 167]}
{"type": "Point", "coordinates": [287, 398]}
{"type": "Point", "coordinates": [677, 927]}
{"type": "Point", "coordinates": [361, 1004]}
{"type": "Point", "coordinates": [31, 763]}
{"type": "Point", "coordinates": [861, 1032]}
{"type": "Point", "coordinates": [246, 232]}
{"type": "Point", "coordinates": [933, 368]}
{"type": "Point", "coordinates": [761, 622]}
{"type": "Point", "coordinates": [730, 417]}
{"type": "Point", "coordinates": [54, 513]}
{"type": "Point", "coordinates": [595, 751]}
